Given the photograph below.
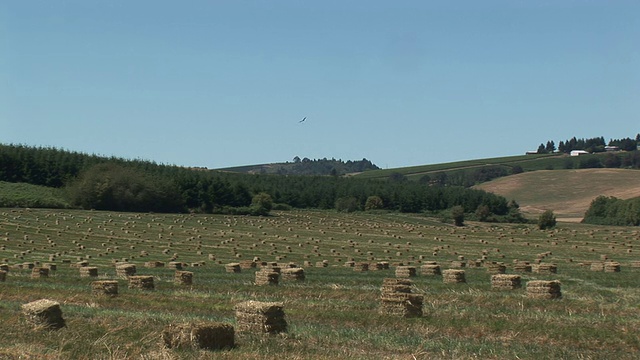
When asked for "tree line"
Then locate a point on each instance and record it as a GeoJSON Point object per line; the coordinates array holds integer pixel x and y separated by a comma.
{"type": "Point", "coordinates": [308, 166]}
{"type": "Point", "coordinates": [591, 145]}
{"type": "Point", "coordinates": [109, 183]}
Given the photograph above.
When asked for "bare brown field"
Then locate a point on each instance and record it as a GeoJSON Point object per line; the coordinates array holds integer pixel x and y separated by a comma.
{"type": "Point", "coordinates": [567, 192]}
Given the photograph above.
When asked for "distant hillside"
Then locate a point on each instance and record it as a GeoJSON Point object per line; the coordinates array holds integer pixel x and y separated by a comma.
{"type": "Point", "coordinates": [567, 192]}
{"type": "Point", "coordinates": [527, 162]}
{"type": "Point", "coordinates": [473, 172]}
{"type": "Point", "coordinates": [307, 167]}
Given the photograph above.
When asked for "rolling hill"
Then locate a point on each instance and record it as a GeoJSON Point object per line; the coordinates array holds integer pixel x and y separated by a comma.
{"type": "Point", "coordinates": [567, 192]}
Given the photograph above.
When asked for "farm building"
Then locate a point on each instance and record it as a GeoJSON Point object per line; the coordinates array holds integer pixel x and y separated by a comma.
{"type": "Point", "coordinates": [578, 152]}
{"type": "Point", "coordinates": [611, 148]}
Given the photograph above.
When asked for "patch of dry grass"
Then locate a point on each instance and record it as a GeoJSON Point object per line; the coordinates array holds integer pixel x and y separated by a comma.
{"type": "Point", "coordinates": [567, 192]}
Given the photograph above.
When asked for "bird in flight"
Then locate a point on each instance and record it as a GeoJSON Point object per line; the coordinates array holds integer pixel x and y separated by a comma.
{"type": "Point", "coordinates": [303, 119]}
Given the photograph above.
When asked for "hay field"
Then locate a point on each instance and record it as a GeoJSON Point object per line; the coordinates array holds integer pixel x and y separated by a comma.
{"type": "Point", "coordinates": [567, 192]}
{"type": "Point", "coordinates": [334, 312]}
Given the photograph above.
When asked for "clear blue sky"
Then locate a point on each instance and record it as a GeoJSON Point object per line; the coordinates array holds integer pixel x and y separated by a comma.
{"type": "Point", "coordinates": [224, 83]}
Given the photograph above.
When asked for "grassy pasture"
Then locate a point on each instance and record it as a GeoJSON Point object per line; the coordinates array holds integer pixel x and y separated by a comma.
{"type": "Point", "coordinates": [528, 163]}
{"type": "Point", "coordinates": [28, 195]}
{"type": "Point", "coordinates": [334, 312]}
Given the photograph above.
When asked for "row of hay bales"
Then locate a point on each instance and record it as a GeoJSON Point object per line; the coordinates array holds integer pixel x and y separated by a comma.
{"type": "Point", "coordinates": [251, 317]}
{"type": "Point", "coordinates": [125, 269]}
{"type": "Point", "coordinates": [110, 287]}
{"type": "Point", "coordinates": [609, 266]}
{"type": "Point", "coordinates": [397, 298]}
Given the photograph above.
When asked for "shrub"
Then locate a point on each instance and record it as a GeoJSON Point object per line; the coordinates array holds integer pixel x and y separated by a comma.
{"type": "Point", "coordinates": [347, 204]}
{"type": "Point", "coordinates": [457, 213]}
{"type": "Point", "coordinates": [547, 220]}
{"type": "Point", "coordinates": [590, 163]}
{"type": "Point", "coordinates": [612, 161]}
{"type": "Point", "coordinates": [373, 203]}
{"type": "Point", "coordinates": [516, 169]}
{"type": "Point", "coordinates": [483, 212]}
{"type": "Point", "coordinates": [261, 204]}
{"type": "Point", "coordinates": [281, 207]}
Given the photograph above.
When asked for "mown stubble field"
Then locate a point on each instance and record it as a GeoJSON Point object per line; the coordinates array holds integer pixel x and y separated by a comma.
{"type": "Point", "coordinates": [334, 312]}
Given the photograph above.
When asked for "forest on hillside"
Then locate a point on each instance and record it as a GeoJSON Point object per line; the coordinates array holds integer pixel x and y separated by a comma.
{"type": "Point", "coordinates": [308, 166]}
{"type": "Point", "coordinates": [108, 183]}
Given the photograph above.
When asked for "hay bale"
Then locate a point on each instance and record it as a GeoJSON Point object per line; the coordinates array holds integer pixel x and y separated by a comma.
{"type": "Point", "coordinates": [154, 264]}
{"type": "Point", "coordinates": [260, 317]}
{"type": "Point", "coordinates": [88, 271]}
{"type": "Point", "coordinates": [396, 285]}
{"type": "Point", "coordinates": [541, 289]}
{"type": "Point", "coordinates": [183, 277]}
{"type": "Point", "coordinates": [274, 267]}
{"type": "Point", "coordinates": [430, 269]}
{"type": "Point", "coordinates": [294, 274]}
{"type": "Point", "coordinates": [233, 268]}
{"type": "Point", "coordinates": [396, 298]}
{"type": "Point", "coordinates": [44, 313]}
{"type": "Point", "coordinates": [545, 268]}
{"type": "Point", "coordinates": [349, 263]}
{"type": "Point", "coordinates": [51, 267]}
{"type": "Point", "coordinates": [79, 264]}
{"type": "Point", "coordinates": [453, 276]}
{"type": "Point", "coordinates": [39, 272]}
{"type": "Point", "coordinates": [4, 267]}
{"type": "Point", "coordinates": [247, 264]}
{"type": "Point", "coordinates": [456, 264]}
{"type": "Point", "coordinates": [405, 271]}
{"type": "Point", "coordinates": [201, 335]}
{"type": "Point", "coordinates": [597, 266]}
{"type": "Point", "coordinates": [361, 266]}
{"type": "Point", "coordinates": [104, 287]}
{"type": "Point", "coordinates": [611, 266]}
{"type": "Point", "coordinates": [125, 270]}
{"type": "Point", "coordinates": [475, 263]}
{"type": "Point", "coordinates": [143, 282]}
{"type": "Point", "coordinates": [402, 304]}
{"type": "Point", "coordinates": [322, 264]}
{"type": "Point", "coordinates": [176, 265]}
{"type": "Point", "coordinates": [505, 282]}
{"type": "Point", "coordinates": [522, 267]}
{"type": "Point", "coordinates": [267, 277]}
{"type": "Point", "coordinates": [496, 268]}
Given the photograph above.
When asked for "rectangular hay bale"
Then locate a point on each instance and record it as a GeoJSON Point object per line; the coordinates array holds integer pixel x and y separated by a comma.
{"type": "Point", "coordinates": [104, 287]}
{"type": "Point", "coordinates": [508, 282]}
{"type": "Point", "coordinates": [260, 317]}
{"type": "Point", "coordinates": [402, 304]}
{"type": "Point", "coordinates": [44, 313]}
{"type": "Point", "coordinates": [541, 289]}
{"type": "Point", "coordinates": [200, 335]}
{"type": "Point", "coordinates": [143, 282]}
{"type": "Point", "coordinates": [405, 271]}
{"type": "Point", "coordinates": [454, 276]}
